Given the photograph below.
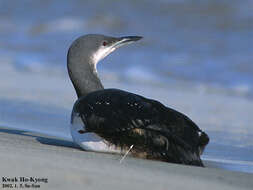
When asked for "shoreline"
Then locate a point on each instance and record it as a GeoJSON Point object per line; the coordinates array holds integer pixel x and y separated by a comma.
{"type": "Point", "coordinates": [65, 166]}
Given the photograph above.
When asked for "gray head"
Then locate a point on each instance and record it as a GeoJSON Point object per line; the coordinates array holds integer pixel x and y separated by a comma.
{"type": "Point", "coordinates": [83, 56]}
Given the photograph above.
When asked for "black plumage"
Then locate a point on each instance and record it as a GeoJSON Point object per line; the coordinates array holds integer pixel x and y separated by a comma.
{"type": "Point", "coordinates": [156, 131]}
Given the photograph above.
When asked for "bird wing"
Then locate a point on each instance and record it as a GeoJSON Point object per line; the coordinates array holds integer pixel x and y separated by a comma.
{"type": "Point", "coordinates": [117, 112]}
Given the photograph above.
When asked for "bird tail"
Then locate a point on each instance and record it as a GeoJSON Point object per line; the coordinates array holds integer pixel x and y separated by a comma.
{"type": "Point", "coordinates": [181, 155]}
{"type": "Point", "coordinates": [177, 150]}
{"type": "Point", "coordinates": [203, 141]}
{"type": "Point", "coordinates": [186, 155]}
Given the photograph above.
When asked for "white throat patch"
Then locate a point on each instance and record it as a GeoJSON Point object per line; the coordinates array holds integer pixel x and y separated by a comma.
{"type": "Point", "coordinates": [102, 53]}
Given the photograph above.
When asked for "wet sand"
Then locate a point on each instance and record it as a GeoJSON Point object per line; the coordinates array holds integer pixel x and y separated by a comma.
{"type": "Point", "coordinates": [66, 167]}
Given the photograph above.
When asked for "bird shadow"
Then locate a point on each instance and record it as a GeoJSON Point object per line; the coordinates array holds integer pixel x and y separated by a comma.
{"type": "Point", "coordinates": [43, 140]}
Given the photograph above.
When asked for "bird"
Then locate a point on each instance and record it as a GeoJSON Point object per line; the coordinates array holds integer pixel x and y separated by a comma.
{"type": "Point", "coordinates": [113, 120]}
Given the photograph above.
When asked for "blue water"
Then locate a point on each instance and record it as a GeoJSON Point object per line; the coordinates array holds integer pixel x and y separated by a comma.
{"type": "Point", "coordinates": [208, 42]}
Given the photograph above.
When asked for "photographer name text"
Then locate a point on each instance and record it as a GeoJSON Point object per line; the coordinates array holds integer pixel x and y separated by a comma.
{"type": "Point", "coordinates": [22, 182]}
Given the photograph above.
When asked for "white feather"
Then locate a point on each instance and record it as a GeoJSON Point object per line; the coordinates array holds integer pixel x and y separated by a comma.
{"type": "Point", "coordinates": [89, 141]}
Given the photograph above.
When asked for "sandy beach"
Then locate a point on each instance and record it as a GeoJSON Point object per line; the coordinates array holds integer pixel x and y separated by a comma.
{"type": "Point", "coordinates": [66, 166]}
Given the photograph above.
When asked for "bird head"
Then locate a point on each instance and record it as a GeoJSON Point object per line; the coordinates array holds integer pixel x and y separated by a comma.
{"type": "Point", "coordinates": [96, 47]}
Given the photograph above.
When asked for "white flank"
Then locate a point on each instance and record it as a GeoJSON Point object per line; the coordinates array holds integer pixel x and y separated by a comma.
{"type": "Point", "coordinates": [89, 141]}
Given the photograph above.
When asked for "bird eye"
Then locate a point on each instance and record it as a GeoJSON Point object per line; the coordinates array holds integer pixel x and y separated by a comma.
{"type": "Point", "coordinates": [104, 43]}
